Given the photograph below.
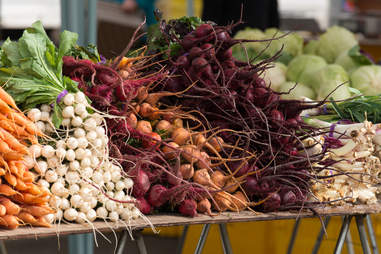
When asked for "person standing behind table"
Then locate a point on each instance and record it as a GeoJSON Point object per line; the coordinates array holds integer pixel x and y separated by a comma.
{"type": "Point", "coordinates": [148, 7]}
{"type": "Point", "coordinates": [260, 14]}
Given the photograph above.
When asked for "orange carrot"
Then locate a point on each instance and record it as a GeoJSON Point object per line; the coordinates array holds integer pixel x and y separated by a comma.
{"type": "Point", "coordinates": [33, 189]}
{"type": "Point", "coordinates": [21, 168]}
{"type": "Point", "coordinates": [22, 120]}
{"type": "Point", "coordinates": [8, 99]}
{"type": "Point", "coordinates": [4, 147]}
{"type": "Point", "coordinates": [10, 221]}
{"type": "Point", "coordinates": [4, 108]}
{"type": "Point", "coordinates": [7, 190]}
{"type": "Point", "coordinates": [27, 218]}
{"type": "Point", "coordinates": [42, 222]}
{"type": "Point", "coordinates": [13, 143]}
{"type": "Point", "coordinates": [2, 171]}
{"type": "Point", "coordinates": [12, 156]}
{"type": "Point", "coordinates": [37, 211]}
{"type": "Point", "coordinates": [11, 207]}
{"type": "Point", "coordinates": [28, 176]}
{"type": "Point", "coordinates": [11, 179]}
{"type": "Point", "coordinates": [21, 186]}
{"type": "Point", "coordinates": [3, 210]}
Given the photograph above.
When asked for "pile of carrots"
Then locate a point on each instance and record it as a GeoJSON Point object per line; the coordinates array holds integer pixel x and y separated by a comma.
{"type": "Point", "coordinates": [22, 201]}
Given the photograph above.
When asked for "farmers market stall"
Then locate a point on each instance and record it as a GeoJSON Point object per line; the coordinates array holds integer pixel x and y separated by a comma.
{"type": "Point", "coordinates": [196, 122]}
{"type": "Point", "coordinates": [358, 212]}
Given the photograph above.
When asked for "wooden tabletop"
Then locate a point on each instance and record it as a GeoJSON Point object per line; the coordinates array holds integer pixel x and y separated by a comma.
{"type": "Point", "coordinates": [166, 220]}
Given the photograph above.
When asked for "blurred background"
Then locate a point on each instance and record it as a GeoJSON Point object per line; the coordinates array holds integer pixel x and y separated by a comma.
{"type": "Point", "coordinates": [110, 23]}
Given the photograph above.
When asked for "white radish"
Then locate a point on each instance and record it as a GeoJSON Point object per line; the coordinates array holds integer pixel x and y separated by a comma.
{"type": "Point", "coordinates": [72, 143]}
{"type": "Point", "coordinates": [51, 176]}
{"type": "Point", "coordinates": [82, 142]}
{"type": "Point", "coordinates": [80, 153]}
{"type": "Point", "coordinates": [79, 132]}
{"type": "Point", "coordinates": [91, 135]}
{"type": "Point", "coordinates": [70, 214]}
{"type": "Point", "coordinates": [87, 172]}
{"type": "Point", "coordinates": [56, 188]}
{"type": "Point", "coordinates": [80, 109]}
{"type": "Point", "coordinates": [41, 166]}
{"type": "Point", "coordinates": [53, 162]}
{"type": "Point", "coordinates": [76, 121]}
{"type": "Point", "coordinates": [43, 183]}
{"type": "Point", "coordinates": [76, 200]}
{"type": "Point", "coordinates": [97, 177]}
{"type": "Point", "coordinates": [74, 165]}
{"type": "Point", "coordinates": [46, 108]}
{"type": "Point", "coordinates": [84, 207]}
{"type": "Point", "coordinates": [47, 151]}
{"type": "Point", "coordinates": [49, 128]}
{"type": "Point", "coordinates": [61, 144]}
{"type": "Point", "coordinates": [93, 202]}
{"type": "Point", "coordinates": [94, 161]}
{"type": "Point", "coordinates": [45, 116]}
{"type": "Point", "coordinates": [72, 177]}
{"type": "Point", "coordinates": [34, 114]}
{"type": "Point", "coordinates": [40, 125]}
{"type": "Point", "coordinates": [70, 155]}
{"type": "Point", "coordinates": [86, 162]}
{"type": "Point", "coordinates": [119, 185]}
{"type": "Point", "coordinates": [74, 189]}
{"type": "Point", "coordinates": [58, 215]}
{"type": "Point", "coordinates": [102, 213]}
{"type": "Point", "coordinates": [128, 183]}
{"type": "Point", "coordinates": [115, 176]}
{"type": "Point", "coordinates": [66, 122]}
{"type": "Point", "coordinates": [65, 204]}
{"type": "Point", "coordinates": [110, 186]}
{"type": "Point", "coordinates": [81, 218]}
{"type": "Point", "coordinates": [90, 124]}
{"type": "Point", "coordinates": [80, 98]}
{"type": "Point", "coordinates": [107, 176]}
{"type": "Point", "coordinates": [49, 217]}
{"type": "Point", "coordinates": [29, 161]}
{"type": "Point", "coordinates": [68, 112]}
{"type": "Point", "coordinates": [35, 150]}
{"type": "Point", "coordinates": [61, 170]}
{"type": "Point", "coordinates": [84, 115]}
{"type": "Point", "coordinates": [91, 215]}
{"type": "Point", "coordinates": [113, 216]}
{"type": "Point", "coordinates": [88, 153]}
{"type": "Point", "coordinates": [68, 99]}
{"type": "Point", "coordinates": [97, 143]}
{"type": "Point", "coordinates": [100, 131]}
{"type": "Point", "coordinates": [60, 152]}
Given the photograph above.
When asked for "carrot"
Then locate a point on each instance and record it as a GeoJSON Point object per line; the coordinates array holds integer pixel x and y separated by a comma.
{"type": "Point", "coordinates": [11, 179]}
{"type": "Point", "coordinates": [27, 218]}
{"type": "Point", "coordinates": [4, 108]}
{"type": "Point", "coordinates": [7, 190]}
{"type": "Point", "coordinates": [21, 186]}
{"type": "Point", "coordinates": [21, 168]}
{"type": "Point", "coordinates": [2, 171]}
{"type": "Point", "coordinates": [33, 189]}
{"type": "Point", "coordinates": [8, 99]}
{"type": "Point", "coordinates": [3, 210]}
{"type": "Point", "coordinates": [13, 142]}
{"type": "Point", "coordinates": [12, 156]}
{"type": "Point", "coordinates": [42, 222]}
{"type": "Point", "coordinates": [4, 163]}
{"type": "Point", "coordinates": [4, 147]}
{"type": "Point", "coordinates": [10, 221]}
{"type": "Point", "coordinates": [12, 208]}
{"type": "Point", "coordinates": [27, 198]}
{"type": "Point", "coordinates": [37, 211]}
{"type": "Point", "coordinates": [22, 120]}
{"type": "Point", "coordinates": [28, 176]}
{"type": "Point", "coordinates": [6, 125]}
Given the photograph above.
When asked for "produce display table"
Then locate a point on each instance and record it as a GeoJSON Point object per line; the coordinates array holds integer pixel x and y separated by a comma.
{"type": "Point", "coordinates": [358, 211]}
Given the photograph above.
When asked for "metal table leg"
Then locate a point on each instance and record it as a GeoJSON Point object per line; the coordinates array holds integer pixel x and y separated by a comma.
{"type": "Point", "coordinates": [140, 242]}
{"type": "Point", "coordinates": [362, 234]}
{"type": "Point", "coordinates": [320, 235]}
{"type": "Point", "coordinates": [182, 240]}
{"type": "Point", "coordinates": [202, 240]}
{"type": "Point", "coordinates": [225, 239]}
{"type": "Point", "coordinates": [3, 250]}
{"type": "Point", "coordinates": [343, 234]}
{"type": "Point", "coordinates": [122, 242]}
{"type": "Point", "coordinates": [293, 236]}
{"type": "Point", "coordinates": [372, 236]}
{"type": "Point", "coordinates": [81, 244]}
{"type": "Point", "coordinates": [348, 241]}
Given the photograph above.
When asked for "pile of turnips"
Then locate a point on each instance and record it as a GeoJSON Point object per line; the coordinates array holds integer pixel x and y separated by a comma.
{"type": "Point", "coordinates": [75, 166]}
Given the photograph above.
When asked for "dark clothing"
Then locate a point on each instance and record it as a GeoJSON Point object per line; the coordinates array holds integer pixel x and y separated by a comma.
{"type": "Point", "coordinates": [260, 14]}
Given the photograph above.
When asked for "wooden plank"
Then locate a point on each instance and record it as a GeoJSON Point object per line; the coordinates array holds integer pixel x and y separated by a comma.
{"type": "Point", "coordinates": [166, 220]}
